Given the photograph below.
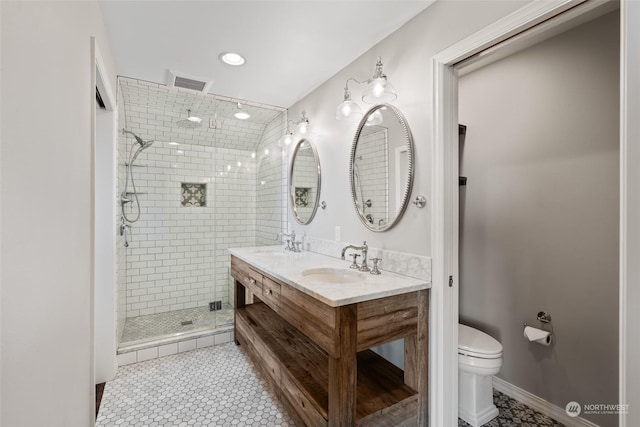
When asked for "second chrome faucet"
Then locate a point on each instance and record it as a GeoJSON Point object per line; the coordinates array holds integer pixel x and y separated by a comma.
{"type": "Point", "coordinates": [292, 245]}
{"type": "Point", "coordinates": [364, 249]}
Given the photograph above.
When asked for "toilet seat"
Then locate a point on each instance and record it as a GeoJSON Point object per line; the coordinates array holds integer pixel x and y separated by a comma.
{"type": "Point", "coordinates": [475, 343]}
{"type": "Point", "coordinates": [479, 355]}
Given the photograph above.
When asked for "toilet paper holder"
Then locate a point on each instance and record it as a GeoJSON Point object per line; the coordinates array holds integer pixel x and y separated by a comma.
{"type": "Point", "coordinates": [544, 318]}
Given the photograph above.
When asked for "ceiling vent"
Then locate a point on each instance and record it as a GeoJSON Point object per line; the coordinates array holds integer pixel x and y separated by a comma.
{"type": "Point", "coordinates": [186, 81]}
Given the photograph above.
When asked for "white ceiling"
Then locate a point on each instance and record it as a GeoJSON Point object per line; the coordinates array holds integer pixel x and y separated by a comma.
{"type": "Point", "coordinates": [291, 46]}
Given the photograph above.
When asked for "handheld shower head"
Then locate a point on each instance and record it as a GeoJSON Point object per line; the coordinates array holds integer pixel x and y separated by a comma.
{"type": "Point", "coordinates": [143, 144]}
{"type": "Point", "coordinates": [146, 144]}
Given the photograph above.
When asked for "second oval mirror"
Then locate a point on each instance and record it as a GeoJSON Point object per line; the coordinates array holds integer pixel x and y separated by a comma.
{"type": "Point", "coordinates": [381, 167]}
{"type": "Point", "coordinates": [304, 181]}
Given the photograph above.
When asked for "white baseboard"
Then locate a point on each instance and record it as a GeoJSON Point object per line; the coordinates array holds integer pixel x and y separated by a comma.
{"type": "Point", "coordinates": [539, 404]}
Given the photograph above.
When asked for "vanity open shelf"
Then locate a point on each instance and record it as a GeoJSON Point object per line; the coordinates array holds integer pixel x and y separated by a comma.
{"type": "Point", "coordinates": [317, 357]}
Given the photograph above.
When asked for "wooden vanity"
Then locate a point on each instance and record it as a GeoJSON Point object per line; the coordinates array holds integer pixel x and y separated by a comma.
{"type": "Point", "coordinates": [316, 353]}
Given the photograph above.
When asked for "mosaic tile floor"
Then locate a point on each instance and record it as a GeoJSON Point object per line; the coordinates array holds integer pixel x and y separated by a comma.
{"type": "Point", "coordinates": [515, 414]}
{"type": "Point", "coordinates": [170, 323]}
{"type": "Point", "coordinates": [218, 386]}
{"type": "Point", "coordinates": [213, 386]}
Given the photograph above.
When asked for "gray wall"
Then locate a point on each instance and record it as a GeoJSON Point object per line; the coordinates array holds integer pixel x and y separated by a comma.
{"type": "Point", "coordinates": [406, 55]}
{"type": "Point", "coordinates": [539, 215]}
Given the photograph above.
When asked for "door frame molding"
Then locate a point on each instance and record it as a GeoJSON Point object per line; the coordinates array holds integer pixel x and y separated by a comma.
{"type": "Point", "coordinates": [530, 24]}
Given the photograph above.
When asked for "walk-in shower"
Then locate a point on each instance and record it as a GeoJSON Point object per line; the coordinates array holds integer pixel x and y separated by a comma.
{"type": "Point", "coordinates": [188, 194]}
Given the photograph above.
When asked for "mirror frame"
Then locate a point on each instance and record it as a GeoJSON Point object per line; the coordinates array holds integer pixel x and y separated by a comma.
{"type": "Point", "coordinates": [411, 156]}
{"type": "Point", "coordinates": [292, 196]}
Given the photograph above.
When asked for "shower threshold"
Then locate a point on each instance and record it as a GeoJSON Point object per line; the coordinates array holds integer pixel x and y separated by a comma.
{"type": "Point", "coordinates": [174, 326]}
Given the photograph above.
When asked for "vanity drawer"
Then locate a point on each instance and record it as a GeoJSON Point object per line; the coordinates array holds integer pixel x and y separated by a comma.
{"type": "Point", "coordinates": [239, 270]}
{"type": "Point", "coordinates": [250, 279]}
{"type": "Point", "coordinates": [271, 293]}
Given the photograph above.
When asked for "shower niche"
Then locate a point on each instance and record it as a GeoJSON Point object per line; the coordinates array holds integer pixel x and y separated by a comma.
{"type": "Point", "coordinates": [193, 195]}
{"type": "Point", "coordinates": [201, 190]}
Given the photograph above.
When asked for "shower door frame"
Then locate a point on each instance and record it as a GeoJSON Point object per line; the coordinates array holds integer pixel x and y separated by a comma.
{"type": "Point", "coordinates": [507, 35]}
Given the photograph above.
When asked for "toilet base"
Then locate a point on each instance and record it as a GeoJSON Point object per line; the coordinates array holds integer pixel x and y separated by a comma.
{"type": "Point", "coordinates": [475, 398]}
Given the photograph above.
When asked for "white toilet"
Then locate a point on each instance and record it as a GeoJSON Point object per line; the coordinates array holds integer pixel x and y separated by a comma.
{"type": "Point", "coordinates": [479, 358]}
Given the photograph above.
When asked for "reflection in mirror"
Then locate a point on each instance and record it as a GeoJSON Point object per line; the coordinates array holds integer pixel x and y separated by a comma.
{"type": "Point", "coordinates": [381, 167]}
{"type": "Point", "coordinates": [304, 181]}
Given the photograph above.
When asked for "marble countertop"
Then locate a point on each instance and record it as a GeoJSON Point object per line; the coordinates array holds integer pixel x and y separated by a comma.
{"type": "Point", "coordinates": [288, 267]}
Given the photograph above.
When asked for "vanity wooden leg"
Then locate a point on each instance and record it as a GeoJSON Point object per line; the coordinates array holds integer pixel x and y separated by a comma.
{"type": "Point", "coordinates": [238, 302]}
{"type": "Point", "coordinates": [343, 370]}
{"type": "Point", "coordinates": [418, 347]}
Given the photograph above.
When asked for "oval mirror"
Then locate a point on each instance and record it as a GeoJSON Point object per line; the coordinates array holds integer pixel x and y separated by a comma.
{"type": "Point", "coordinates": [304, 181]}
{"type": "Point", "coordinates": [381, 167]}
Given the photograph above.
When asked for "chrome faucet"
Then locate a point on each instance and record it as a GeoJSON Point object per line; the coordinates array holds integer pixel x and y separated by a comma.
{"type": "Point", "coordinates": [364, 248]}
{"type": "Point", "coordinates": [292, 245]}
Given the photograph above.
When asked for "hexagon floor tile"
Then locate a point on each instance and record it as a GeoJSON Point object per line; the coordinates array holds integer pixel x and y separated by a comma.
{"type": "Point", "coordinates": [213, 386]}
{"type": "Point", "coordinates": [218, 386]}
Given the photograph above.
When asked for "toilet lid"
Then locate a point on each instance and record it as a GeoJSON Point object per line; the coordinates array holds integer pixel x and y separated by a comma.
{"type": "Point", "coordinates": [475, 343]}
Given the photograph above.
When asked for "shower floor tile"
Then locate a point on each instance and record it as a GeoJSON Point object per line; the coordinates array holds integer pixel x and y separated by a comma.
{"type": "Point", "coordinates": [213, 386]}
{"type": "Point", "coordinates": [218, 386]}
{"type": "Point", "coordinates": [174, 322]}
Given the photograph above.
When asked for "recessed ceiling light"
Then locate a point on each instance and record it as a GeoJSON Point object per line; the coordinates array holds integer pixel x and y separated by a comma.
{"type": "Point", "coordinates": [173, 143]}
{"type": "Point", "coordinates": [232, 58]}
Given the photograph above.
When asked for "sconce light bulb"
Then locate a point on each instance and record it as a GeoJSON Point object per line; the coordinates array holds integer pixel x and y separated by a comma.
{"type": "Point", "coordinates": [288, 138]}
{"type": "Point", "coordinates": [348, 110]}
{"type": "Point", "coordinates": [253, 155]}
{"type": "Point", "coordinates": [378, 88]}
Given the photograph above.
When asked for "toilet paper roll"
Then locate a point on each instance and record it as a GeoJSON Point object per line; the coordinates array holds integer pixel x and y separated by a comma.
{"type": "Point", "coordinates": [538, 336]}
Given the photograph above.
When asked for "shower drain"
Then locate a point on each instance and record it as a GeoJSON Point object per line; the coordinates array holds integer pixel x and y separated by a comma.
{"type": "Point", "coordinates": [187, 322]}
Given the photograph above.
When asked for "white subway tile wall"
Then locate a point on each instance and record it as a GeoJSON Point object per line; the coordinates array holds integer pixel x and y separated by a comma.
{"type": "Point", "coordinates": [176, 251]}
{"type": "Point", "coordinates": [271, 203]}
{"type": "Point", "coordinates": [154, 110]}
{"type": "Point", "coordinates": [372, 173]}
{"type": "Point", "coordinates": [177, 256]}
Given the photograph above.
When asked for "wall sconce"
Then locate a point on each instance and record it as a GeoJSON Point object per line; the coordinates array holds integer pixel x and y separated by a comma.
{"type": "Point", "coordinates": [378, 90]}
{"type": "Point", "coordinates": [287, 139]}
{"type": "Point", "coordinates": [302, 127]}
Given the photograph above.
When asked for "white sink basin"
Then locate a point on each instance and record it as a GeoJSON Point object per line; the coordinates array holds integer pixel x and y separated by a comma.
{"type": "Point", "coordinates": [333, 275]}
